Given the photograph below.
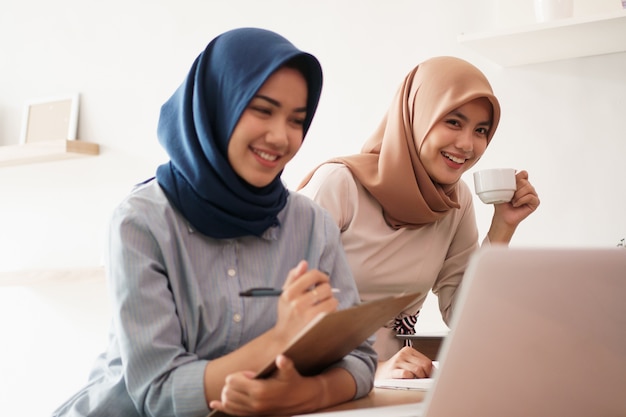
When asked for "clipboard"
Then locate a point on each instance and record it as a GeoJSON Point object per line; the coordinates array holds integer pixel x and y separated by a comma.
{"type": "Point", "coordinates": [331, 336]}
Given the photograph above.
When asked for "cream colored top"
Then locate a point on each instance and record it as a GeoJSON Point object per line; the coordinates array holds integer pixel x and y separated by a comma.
{"type": "Point", "coordinates": [386, 261]}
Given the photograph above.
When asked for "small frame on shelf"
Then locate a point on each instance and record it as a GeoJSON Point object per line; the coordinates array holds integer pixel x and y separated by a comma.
{"type": "Point", "coordinates": [48, 133]}
{"type": "Point", "coordinates": [50, 118]}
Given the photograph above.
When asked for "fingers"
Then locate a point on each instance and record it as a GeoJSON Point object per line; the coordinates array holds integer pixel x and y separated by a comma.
{"type": "Point", "coordinates": [416, 362]}
{"type": "Point", "coordinates": [312, 283]}
{"type": "Point", "coordinates": [525, 195]}
{"type": "Point", "coordinates": [521, 175]}
{"type": "Point", "coordinates": [296, 272]}
{"type": "Point", "coordinates": [244, 395]}
{"type": "Point", "coordinates": [406, 363]}
{"type": "Point", "coordinates": [531, 201]}
{"type": "Point", "coordinates": [235, 398]}
{"type": "Point", "coordinates": [285, 366]}
{"type": "Point", "coordinates": [321, 293]}
{"type": "Point", "coordinates": [414, 373]}
{"type": "Point", "coordinates": [306, 294]}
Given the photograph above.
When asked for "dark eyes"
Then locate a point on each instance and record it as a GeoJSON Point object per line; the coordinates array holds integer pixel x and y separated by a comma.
{"type": "Point", "coordinates": [266, 111]}
{"type": "Point", "coordinates": [261, 109]}
{"type": "Point", "coordinates": [482, 131]}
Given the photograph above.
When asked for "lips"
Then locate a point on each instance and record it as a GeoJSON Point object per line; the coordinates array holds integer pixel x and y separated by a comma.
{"type": "Point", "coordinates": [265, 155]}
{"type": "Point", "coordinates": [453, 158]}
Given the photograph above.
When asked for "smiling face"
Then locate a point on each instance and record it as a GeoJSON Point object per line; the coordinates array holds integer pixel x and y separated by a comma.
{"type": "Point", "coordinates": [270, 130]}
{"type": "Point", "coordinates": [457, 141]}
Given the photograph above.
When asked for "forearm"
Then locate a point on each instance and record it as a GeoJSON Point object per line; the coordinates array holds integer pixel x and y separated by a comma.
{"type": "Point", "coordinates": [252, 356]}
{"type": "Point", "coordinates": [500, 232]}
{"type": "Point", "coordinates": [336, 386]}
{"type": "Point", "coordinates": [286, 392]}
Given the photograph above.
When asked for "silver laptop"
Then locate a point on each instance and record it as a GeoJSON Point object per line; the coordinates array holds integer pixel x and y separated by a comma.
{"type": "Point", "coordinates": [536, 332]}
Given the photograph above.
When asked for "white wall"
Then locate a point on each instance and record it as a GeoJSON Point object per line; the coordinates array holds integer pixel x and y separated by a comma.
{"type": "Point", "coordinates": [562, 121]}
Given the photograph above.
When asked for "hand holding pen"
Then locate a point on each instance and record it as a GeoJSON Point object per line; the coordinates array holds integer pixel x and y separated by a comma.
{"type": "Point", "coordinates": [306, 293]}
{"type": "Point", "coordinates": [274, 292]}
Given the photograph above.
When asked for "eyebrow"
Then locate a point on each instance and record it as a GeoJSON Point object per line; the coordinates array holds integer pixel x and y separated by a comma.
{"type": "Point", "coordinates": [277, 103]}
{"type": "Point", "coordinates": [465, 119]}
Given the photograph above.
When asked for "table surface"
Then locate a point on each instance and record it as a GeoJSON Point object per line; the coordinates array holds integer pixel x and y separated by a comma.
{"type": "Point", "coordinates": [380, 397]}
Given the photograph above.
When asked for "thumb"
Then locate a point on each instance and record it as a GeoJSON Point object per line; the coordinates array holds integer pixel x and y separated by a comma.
{"type": "Point", "coordinates": [249, 374]}
{"type": "Point", "coordinates": [285, 366]}
{"type": "Point", "coordinates": [296, 272]}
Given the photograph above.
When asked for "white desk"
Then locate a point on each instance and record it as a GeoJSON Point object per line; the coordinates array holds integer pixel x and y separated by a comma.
{"type": "Point", "coordinates": [380, 397]}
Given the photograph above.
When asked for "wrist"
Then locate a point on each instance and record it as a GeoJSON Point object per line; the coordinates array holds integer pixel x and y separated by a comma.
{"type": "Point", "coordinates": [500, 233]}
{"type": "Point", "coordinates": [322, 396]}
{"type": "Point", "coordinates": [336, 385]}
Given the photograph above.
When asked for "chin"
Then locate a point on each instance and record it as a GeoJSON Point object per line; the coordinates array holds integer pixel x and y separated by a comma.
{"type": "Point", "coordinates": [260, 183]}
{"type": "Point", "coordinates": [449, 180]}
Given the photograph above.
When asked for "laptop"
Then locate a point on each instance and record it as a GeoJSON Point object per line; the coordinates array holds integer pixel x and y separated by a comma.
{"type": "Point", "coordinates": [536, 332]}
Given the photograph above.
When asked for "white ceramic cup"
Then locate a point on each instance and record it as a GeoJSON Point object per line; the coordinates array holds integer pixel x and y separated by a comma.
{"type": "Point", "coordinates": [495, 186]}
{"type": "Point", "coordinates": [548, 10]}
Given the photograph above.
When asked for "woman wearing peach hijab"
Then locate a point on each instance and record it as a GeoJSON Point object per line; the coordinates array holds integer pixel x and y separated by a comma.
{"type": "Point", "coordinates": [406, 216]}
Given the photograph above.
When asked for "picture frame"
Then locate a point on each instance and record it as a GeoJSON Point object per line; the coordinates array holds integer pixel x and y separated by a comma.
{"type": "Point", "coordinates": [50, 118]}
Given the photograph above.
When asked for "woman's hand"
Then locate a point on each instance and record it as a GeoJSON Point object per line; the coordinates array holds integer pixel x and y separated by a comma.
{"type": "Point", "coordinates": [407, 363]}
{"type": "Point", "coordinates": [508, 216]}
{"type": "Point", "coordinates": [285, 392]}
{"type": "Point", "coordinates": [306, 294]}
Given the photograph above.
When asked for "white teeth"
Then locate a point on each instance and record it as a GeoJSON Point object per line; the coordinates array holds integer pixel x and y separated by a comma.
{"type": "Point", "coordinates": [453, 158]}
{"type": "Point", "coordinates": [266, 156]}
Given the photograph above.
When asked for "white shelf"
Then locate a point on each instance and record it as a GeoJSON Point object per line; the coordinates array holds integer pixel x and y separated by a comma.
{"type": "Point", "coordinates": [551, 41]}
{"type": "Point", "coordinates": [50, 150]}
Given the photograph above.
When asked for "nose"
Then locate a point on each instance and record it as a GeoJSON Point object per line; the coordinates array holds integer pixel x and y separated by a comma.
{"type": "Point", "coordinates": [277, 134]}
{"type": "Point", "coordinates": [465, 141]}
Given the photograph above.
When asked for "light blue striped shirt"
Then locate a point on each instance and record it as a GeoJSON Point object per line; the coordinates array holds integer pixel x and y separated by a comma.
{"type": "Point", "coordinates": [176, 303]}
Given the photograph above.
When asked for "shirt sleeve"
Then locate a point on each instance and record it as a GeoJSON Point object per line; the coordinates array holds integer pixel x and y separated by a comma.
{"type": "Point", "coordinates": [161, 376]}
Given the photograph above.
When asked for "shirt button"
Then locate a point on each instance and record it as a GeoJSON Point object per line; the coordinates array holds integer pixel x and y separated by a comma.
{"type": "Point", "coordinates": [237, 318]}
{"type": "Point", "coordinates": [232, 272]}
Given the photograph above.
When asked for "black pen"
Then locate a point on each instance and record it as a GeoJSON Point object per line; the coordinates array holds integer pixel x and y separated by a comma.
{"type": "Point", "coordinates": [268, 292]}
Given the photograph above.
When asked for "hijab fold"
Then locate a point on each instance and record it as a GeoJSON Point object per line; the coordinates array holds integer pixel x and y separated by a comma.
{"type": "Point", "coordinates": [196, 123]}
{"type": "Point", "coordinates": [389, 164]}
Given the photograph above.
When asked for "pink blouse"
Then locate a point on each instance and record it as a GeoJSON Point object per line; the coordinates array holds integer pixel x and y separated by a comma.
{"type": "Point", "coordinates": [386, 261]}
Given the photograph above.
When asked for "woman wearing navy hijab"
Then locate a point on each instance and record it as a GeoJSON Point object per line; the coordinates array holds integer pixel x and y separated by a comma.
{"type": "Point", "coordinates": [216, 221]}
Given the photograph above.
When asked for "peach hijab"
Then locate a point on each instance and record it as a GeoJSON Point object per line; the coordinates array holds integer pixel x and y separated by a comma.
{"type": "Point", "coordinates": [389, 164]}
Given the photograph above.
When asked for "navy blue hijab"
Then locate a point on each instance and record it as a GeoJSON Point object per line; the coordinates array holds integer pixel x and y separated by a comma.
{"type": "Point", "coordinates": [196, 123]}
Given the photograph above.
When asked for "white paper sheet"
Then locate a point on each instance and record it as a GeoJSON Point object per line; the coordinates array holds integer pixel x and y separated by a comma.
{"type": "Point", "coordinates": [422, 384]}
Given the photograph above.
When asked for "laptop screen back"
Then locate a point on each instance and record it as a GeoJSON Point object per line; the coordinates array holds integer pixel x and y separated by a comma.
{"type": "Point", "coordinates": [536, 332]}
